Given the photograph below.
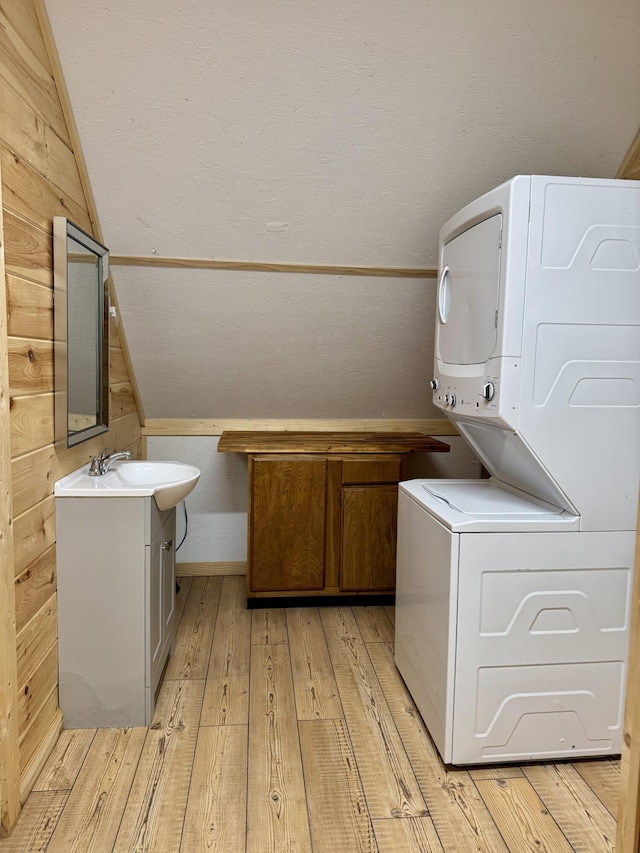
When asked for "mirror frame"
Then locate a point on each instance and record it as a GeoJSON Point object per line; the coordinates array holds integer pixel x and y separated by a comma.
{"type": "Point", "coordinates": [63, 229]}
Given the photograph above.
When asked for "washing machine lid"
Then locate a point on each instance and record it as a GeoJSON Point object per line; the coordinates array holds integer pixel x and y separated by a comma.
{"type": "Point", "coordinates": [487, 506]}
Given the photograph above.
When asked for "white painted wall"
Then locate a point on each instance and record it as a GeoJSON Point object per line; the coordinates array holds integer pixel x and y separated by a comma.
{"type": "Point", "coordinates": [341, 132]}
{"type": "Point", "coordinates": [217, 507]}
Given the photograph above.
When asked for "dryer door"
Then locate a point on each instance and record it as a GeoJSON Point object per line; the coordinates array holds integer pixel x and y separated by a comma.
{"type": "Point", "coordinates": [468, 294]}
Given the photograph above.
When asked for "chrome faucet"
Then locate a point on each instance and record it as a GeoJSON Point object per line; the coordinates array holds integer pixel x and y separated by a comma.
{"type": "Point", "coordinates": [101, 464]}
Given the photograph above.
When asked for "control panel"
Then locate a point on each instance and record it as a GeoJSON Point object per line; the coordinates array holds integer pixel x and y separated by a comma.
{"type": "Point", "coordinates": [492, 396]}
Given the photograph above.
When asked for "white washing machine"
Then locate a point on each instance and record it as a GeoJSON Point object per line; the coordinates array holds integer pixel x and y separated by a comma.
{"type": "Point", "coordinates": [513, 593]}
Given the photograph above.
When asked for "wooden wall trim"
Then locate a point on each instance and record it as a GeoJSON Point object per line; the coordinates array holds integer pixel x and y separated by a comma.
{"type": "Point", "coordinates": [195, 426]}
{"type": "Point", "coordinates": [258, 266]}
{"type": "Point", "coordinates": [628, 829]}
{"type": "Point", "coordinates": [67, 111]}
{"type": "Point", "coordinates": [199, 570]}
{"type": "Point", "coordinates": [9, 753]}
{"type": "Point", "coordinates": [630, 166]}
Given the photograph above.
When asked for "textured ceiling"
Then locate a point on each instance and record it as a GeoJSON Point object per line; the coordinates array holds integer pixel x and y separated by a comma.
{"type": "Point", "coordinates": [335, 133]}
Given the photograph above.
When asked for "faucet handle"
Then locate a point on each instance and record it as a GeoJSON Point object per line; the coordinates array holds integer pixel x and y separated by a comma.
{"type": "Point", "coordinates": [97, 465]}
{"type": "Point", "coordinates": [104, 454]}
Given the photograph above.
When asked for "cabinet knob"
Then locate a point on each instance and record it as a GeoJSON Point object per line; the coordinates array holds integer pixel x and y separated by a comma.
{"type": "Point", "coordinates": [167, 546]}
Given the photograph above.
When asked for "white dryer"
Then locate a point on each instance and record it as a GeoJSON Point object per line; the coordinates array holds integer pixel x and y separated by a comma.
{"type": "Point", "coordinates": [513, 593]}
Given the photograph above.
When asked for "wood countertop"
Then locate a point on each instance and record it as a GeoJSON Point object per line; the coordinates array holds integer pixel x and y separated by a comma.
{"type": "Point", "coordinates": [233, 441]}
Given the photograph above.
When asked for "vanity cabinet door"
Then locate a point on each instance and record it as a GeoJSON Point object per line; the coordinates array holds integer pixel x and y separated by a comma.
{"type": "Point", "coordinates": [155, 635]}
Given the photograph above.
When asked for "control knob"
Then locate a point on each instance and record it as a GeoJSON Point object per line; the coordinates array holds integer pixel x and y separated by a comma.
{"type": "Point", "coordinates": [489, 391]}
{"type": "Point", "coordinates": [435, 384]}
{"type": "Point", "coordinates": [453, 399]}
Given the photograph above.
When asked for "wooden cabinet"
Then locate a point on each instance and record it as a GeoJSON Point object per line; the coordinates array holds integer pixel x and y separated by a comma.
{"type": "Point", "coordinates": [287, 529]}
{"type": "Point", "coordinates": [323, 509]}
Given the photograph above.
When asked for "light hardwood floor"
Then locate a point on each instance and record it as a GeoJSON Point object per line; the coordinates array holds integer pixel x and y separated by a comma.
{"type": "Point", "coordinates": [287, 731]}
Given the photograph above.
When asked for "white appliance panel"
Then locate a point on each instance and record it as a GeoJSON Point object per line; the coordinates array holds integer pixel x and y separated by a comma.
{"type": "Point", "coordinates": [542, 630]}
{"type": "Point", "coordinates": [468, 294]}
{"type": "Point", "coordinates": [486, 506]}
{"type": "Point", "coordinates": [426, 592]}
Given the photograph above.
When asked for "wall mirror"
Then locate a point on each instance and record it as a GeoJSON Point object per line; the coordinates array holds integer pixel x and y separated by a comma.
{"type": "Point", "coordinates": [81, 332]}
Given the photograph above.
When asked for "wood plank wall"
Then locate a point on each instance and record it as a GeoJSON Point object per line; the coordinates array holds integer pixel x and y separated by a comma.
{"type": "Point", "coordinates": [40, 179]}
{"type": "Point", "coordinates": [628, 829]}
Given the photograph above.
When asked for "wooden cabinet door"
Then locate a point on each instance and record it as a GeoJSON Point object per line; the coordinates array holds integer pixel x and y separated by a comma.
{"type": "Point", "coordinates": [369, 527]}
{"type": "Point", "coordinates": [287, 524]}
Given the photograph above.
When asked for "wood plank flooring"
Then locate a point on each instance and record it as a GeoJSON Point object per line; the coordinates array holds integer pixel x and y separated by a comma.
{"type": "Point", "coordinates": [290, 731]}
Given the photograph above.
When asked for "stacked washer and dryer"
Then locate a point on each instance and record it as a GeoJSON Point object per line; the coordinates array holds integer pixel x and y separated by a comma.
{"type": "Point", "coordinates": [513, 593]}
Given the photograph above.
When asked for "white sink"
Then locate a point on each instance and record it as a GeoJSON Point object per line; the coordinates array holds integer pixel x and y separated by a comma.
{"type": "Point", "coordinates": [168, 482]}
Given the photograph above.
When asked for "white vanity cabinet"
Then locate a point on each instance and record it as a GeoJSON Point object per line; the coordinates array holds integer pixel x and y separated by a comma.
{"type": "Point", "coordinates": [116, 605]}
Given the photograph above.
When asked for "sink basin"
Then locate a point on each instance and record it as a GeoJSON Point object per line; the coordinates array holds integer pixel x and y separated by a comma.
{"type": "Point", "coordinates": [168, 482]}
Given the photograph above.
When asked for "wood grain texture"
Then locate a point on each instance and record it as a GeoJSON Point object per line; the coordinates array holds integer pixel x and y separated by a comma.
{"type": "Point", "coordinates": [374, 624]}
{"type": "Point", "coordinates": [603, 777]}
{"type": "Point", "coordinates": [584, 821]}
{"type": "Point", "coordinates": [118, 373]}
{"type": "Point", "coordinates": [388, 779]}
{"type": "Point", "coordinates": [407, 836]}
{"type": "Point", "coordinates": [226, 696]}
{"type": "Point", "coordinates": [459, 814]}
{"type": "Point", "coordinates": [226, 569]}
{"type": "Point", "coordinates": [257, 266]}
{"type": "Point", "coordinates": [36, 638]}
{"type": "Point", "coordinates": [94, 809]}
{"type": "Point", "coordinates": [34, 533]}
{"type": "Point", "coordinates": [521, 816]}
{"type": "Point", "coordinates": [261, 441]}
{"type": "Point", "coordinates": [330, 793]}
{"type": "Point", "coordinates": [369, 533]}
{"type": "Point", "coordinates": [23, 132]}
{"type": "Point", "coordinates": [30, 77]}
{"type": "Point", "coordinates": [194, 636]}
{"type": "Point", "coordinates": [31, 423]}
{"type": "Point", "coordinates": [182, 594]}
{"type": "Point", "coordinates": [31, 196]}
{"type": "Point", "coordinates": [287, 515]}
{"type": "Point", "coordinates": [34, 587]}
{"type": "Point", "coordinates": [204, 426]}
{"type": "Point", "coordinates": [268, 626]}
{"type": "Point", "coordinates": [28, 250]}
{"type": "Point", "coordinates": [276, 802]}
{"type": "Point", "coordinates": [628, 829]}
{"type": "Point", "coordinates": [23, 18]}
{"type": "Point", "coordinates": [505, 771]}
{"type": "Point", "coordinates": [38, 819]}
{"type": "Point", "coordinates": [216, 817]}
{"type": "Point", "coordinates": [29, 309]}
{"type": "Point", "coordinates": [64, 763]}
{"type": "Point", "coordinates": [34, 738]}
{"type": "Point", "coordinates": [33, 694]}
{"type": "Point", "coordinates": [630, 166]}
{"type": "Point", "coordinates": [316, 691]}
{"type": "Point", "coordinates": [154, 813]}
{"type": "Point", "coordinates": [9, 755]}
{"type": "Point", "coordinates": [122, 400]}
{"type": "Point", "coordinates": [338, 815]}
{"type": "Point", "coordinates": [30, 366]}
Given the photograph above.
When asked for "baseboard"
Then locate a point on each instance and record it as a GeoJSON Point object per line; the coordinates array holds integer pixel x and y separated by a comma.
{"type": "Point", "coordinates": [197, 570]}
{"type": "Point", "coordinates": [40, 756]}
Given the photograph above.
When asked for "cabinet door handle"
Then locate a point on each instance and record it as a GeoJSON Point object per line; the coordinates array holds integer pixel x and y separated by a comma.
{"type": "Point", "coordinates": [166, 546]}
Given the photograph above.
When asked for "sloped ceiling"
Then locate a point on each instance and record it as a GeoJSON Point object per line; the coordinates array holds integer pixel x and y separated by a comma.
{"type": "Point", "coordinates": [321, 133]}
